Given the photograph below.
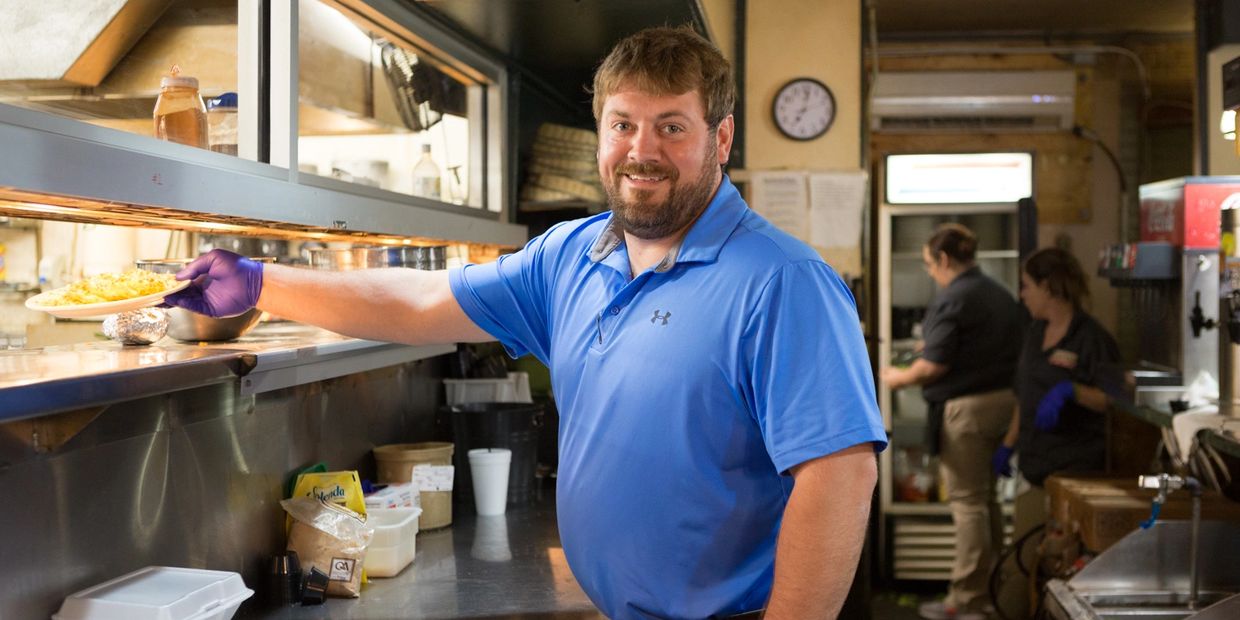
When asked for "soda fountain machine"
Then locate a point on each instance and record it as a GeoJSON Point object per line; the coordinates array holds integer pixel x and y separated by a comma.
{"type": "Point", "coordinates": [1173, 276]}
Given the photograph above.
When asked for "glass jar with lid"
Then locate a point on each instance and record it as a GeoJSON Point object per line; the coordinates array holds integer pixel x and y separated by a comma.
{"type": "Point", "coordinates": [180, 115]}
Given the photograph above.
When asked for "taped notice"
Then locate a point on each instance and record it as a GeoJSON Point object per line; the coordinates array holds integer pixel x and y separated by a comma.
{"type": "Point", "coordinates": [783, 199]}
{"type": "Point", "coordinates": [432, 477]}
{"type": "Point", "coordinates": [836, 208]}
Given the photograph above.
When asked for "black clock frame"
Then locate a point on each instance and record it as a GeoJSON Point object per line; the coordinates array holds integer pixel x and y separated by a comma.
{"type": "Point", "coordinates": [775, 101]}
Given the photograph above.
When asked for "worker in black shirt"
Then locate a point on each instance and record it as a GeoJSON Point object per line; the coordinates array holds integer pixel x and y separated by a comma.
{"type": "Point", "coordinates": [1067, 374]}
{"type": "Point", "coordinates": [972, 334]}
{"type": "Point", "coordinates": [1068, 365]}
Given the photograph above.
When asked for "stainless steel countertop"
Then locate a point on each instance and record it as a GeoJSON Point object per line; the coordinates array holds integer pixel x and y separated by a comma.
{"type": "Point", "coordinates": [509, 566]}
{"type": "Point", "coordinates": [1222, 441]}
{"type": "Point", "coordinates": [49, 380]}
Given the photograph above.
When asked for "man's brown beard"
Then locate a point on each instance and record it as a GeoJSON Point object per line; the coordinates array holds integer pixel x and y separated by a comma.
{"type": "Point", "coordinates": [645, 220]}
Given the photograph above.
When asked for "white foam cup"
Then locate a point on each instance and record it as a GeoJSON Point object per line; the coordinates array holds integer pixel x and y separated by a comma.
{"type": "Point", "coordinates": [489, 469]}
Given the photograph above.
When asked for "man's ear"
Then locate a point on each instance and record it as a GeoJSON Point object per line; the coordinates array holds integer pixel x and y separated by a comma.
{"type": "Point", "coordinates": [723, 138]}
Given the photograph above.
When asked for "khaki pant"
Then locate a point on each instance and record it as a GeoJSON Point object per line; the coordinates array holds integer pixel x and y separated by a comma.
{"type": "Point", "coordinates": [973, 427]}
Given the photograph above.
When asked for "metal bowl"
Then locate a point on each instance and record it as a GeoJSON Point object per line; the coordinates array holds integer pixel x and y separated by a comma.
{"type": "Point", "coordinates": [194, 327]}
{"type": "Point", "coordinates": [429, 257]}
{"type": "Point", "coordinates": [377, 257]}
{"type": "Point", "coordinates": [348, 259]}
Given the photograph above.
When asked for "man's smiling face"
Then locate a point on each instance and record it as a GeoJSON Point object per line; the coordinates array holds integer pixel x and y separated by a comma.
{"type": "Point", "coordinates": [659, 161]}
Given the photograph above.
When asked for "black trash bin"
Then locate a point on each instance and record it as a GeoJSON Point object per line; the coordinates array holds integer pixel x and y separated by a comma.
{"type": "Point", "coordinates": [496, 425]}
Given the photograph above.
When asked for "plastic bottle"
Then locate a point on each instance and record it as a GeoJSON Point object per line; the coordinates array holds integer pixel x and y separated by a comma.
{"type": "Point", "coordinates": [180, 115]}
{"type": "Point", "coordinates": [3, 269]}
{"type": "Point", "coordinates": [426, 176]}
{"type": "Point", "coordinates": [51, 272]}
{"type": "Point", "coordinates": [222, 123]}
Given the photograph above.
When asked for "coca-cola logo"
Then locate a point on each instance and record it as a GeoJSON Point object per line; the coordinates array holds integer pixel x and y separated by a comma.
{"type": "Point", "coordinates": [1160, 217]}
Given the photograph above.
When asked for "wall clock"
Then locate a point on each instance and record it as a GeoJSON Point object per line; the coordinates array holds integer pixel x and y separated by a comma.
{"type": "Point", "coordinates": [803, 109]}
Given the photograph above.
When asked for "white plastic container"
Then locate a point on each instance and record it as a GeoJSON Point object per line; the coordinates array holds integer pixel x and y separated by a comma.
{"type": "Point", "coordinates": [395, 541]}
{"type": "Point", "coordinates": [394, 495]}
{"type": "Point", "coordinates": [515, 388]}
{"type": "Point", "coordinates": [462, 391]}
{"type": "Point", "coordinates": [159, 593]}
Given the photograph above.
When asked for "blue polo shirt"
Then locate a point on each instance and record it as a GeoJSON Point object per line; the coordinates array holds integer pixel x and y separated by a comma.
{"type": "Point", "coordinates": [685, 394]}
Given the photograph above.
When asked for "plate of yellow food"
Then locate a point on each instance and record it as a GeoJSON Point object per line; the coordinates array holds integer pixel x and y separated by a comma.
{"type": "Point", "coordinates": [107, 293]}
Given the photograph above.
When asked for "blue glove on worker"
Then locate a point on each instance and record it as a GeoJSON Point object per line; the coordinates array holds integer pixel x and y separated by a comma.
{"type": "Point", "coordinates": [1047, 417]}
{"type": "Point", "coordinates": [225, 284]}
{"type": "Point", "coordinates": [1001, 461]}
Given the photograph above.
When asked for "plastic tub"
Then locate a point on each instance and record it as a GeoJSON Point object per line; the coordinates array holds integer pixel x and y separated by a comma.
{"type": "Point", "coordinates": [515, 388]}
{"type": "Point", "coordinates": [395, 464]}
{"type": "Point", "coordinates": [394, 495]}
{"type": "Point", "coordinates": [461, 391]}
{"type": "Point", "coordinates": [393, 545]}
{"type": "Point", "coordinates": [159, 593]}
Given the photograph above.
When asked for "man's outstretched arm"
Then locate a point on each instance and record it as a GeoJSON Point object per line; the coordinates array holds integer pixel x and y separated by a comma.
{"type": "Point", "coordinates": [397, 305]}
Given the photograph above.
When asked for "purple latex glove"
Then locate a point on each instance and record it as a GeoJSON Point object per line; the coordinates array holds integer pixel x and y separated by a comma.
{"type": "Point", "coordinates": [1047, 417]}
{"type": "Point", "coordinates": [225, 284]}
{"type": "Point", "coordinates": [1001, 461]}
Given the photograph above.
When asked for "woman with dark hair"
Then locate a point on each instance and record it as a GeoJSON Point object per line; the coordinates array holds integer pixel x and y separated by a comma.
{"type": "Point", "coordinates": [1068, 365]}
{"type": "Point", "coordinates": [971, 344]}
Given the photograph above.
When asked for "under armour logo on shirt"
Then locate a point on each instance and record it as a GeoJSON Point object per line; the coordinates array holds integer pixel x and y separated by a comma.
{"type": "Point", "coordinates": [662, 317]}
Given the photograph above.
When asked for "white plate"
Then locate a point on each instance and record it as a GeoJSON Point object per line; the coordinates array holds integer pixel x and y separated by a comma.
{"type": "Point", "coordinates": [83, 311]}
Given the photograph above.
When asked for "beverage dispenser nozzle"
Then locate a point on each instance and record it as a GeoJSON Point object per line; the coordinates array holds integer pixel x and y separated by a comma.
{"type": "Point", "coordinates": [1198, 318]}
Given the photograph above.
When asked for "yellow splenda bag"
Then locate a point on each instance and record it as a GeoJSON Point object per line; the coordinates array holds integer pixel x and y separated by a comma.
{"type": "Point", "coordinates": [337, 487]}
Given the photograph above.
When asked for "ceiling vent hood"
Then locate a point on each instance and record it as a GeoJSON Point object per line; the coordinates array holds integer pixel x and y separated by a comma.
{"type": "Point", "coordinates": [1011, 101]}
{"type": "Point", "coordinates": [69, 42]}
{"type": "Point", "coordinates": [342, 89]}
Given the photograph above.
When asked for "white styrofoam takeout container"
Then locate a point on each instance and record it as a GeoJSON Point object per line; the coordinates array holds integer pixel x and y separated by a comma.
{"type": "Point", "coordinates": [159, 593]}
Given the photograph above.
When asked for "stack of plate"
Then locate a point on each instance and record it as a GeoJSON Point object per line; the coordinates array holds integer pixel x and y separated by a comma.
{"type": "Point", "coordinates": [563, 166]}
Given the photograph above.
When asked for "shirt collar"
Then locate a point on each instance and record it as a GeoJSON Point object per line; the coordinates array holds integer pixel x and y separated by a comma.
{"type": "Point", "coordinates": [703, 241]}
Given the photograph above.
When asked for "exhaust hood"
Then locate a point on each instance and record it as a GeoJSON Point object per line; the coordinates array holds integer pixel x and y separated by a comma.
{"type": "Point", "coordinates": [69, 42]}
{"type": "Point", "coordinates": [146, 37]}
{"type": "Point", "coordinates": [101, 61]}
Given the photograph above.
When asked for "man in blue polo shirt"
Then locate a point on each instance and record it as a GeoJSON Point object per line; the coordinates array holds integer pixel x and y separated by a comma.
{"type": "Point", "coordinates": [718, 419]}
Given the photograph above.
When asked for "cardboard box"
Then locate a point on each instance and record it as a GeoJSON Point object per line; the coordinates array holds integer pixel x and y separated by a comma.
{"type": "Point", "coordinates": [1104, 509]}
{"type": "Point", "coordinates": [1105, 520]}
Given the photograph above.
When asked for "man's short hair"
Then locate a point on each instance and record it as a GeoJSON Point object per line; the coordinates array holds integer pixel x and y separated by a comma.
{"type": "Point", "coordinates": [668, 61]}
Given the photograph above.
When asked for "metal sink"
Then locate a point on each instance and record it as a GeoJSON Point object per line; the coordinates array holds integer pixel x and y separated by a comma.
{"type": "Point", "coordinates": [1161, 605]}
{"type": "Point", "coordinates": [1145, 575]}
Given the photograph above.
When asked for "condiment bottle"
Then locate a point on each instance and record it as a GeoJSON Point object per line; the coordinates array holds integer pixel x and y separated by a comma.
{"type": "Point", "coordinates": [426, 176]}
{"type": "Point", "coordinates": [180, 115]}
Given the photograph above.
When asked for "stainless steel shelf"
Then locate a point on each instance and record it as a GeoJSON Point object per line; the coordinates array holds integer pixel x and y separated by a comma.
{"type": "Point", "coordinates": [509, 566]}
{"type": "Point", "coordinates": [80, 167]}
{"type": "Point", "coordinates": [37, 382]}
